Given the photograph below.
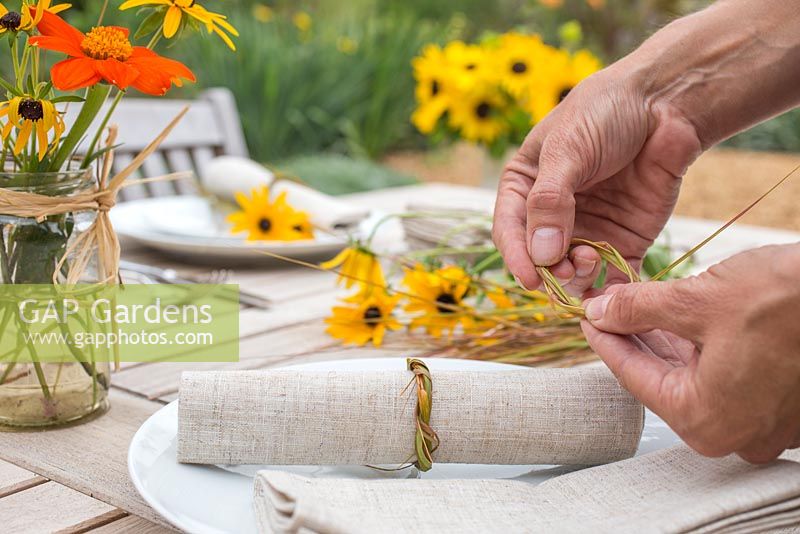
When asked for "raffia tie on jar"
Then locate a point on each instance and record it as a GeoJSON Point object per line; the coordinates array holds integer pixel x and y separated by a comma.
{"type": "Point", "coordinates": [100, 236]}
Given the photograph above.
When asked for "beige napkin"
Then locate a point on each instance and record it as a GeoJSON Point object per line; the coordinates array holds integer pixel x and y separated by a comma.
{"type": "Point", "coordinates": [674, 490]}
{"type": "Point", "coordinates": [533, 416]}
{"type": "Point", "coordinates": [224, 176]}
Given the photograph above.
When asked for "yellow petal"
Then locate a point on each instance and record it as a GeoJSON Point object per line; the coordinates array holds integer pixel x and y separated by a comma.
{"type": "Point", "coordinates": [377, 335]}
{"type": "Point", "coordinates": [23, 136]}
{"type": "Point", "coordinates": [136, 3]}
{"type": "Point", "coordinates": [59, 8]}
{"type": "Point", "coordinates": [41, 137]}
{"type": "Point", "coordinates": [225, 38]}
{"type": "Point", "coordinates": [242, 200]}
{"type": "Point", "coordinates": [336, 260]}
{"type": "Point", "coordinates": [7, 130]}
{"type": "Point", "coordinates": [225, 25]}
{"type": "Point", "coordinates": [172, 21]}
{"type": "Point", "coordinates": [41, 7]}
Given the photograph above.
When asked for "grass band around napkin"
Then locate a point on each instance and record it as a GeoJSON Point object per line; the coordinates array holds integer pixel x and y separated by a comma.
{"type": "Point", "coordinates": [425, 440]}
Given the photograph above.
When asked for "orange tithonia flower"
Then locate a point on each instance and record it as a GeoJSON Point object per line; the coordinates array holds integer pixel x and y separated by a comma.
{"type": "Point", "coordinates": [106, 53]}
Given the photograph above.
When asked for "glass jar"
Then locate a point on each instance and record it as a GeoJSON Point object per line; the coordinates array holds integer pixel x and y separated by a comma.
{"type": "Point", "coordinates": [37, 393]}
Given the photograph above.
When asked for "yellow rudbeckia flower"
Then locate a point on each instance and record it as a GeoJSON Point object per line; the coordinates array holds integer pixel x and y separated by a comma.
{"type": "Point", "coordinates": [32, 116]}
{"type": "Point", "coordinates": [478, 115]}
{"type": "Point", "coordinates": [470, 64]}
{"type": "Point", "coordinates": [432, 73]}
{"type": "Point", "coordinates": [357, 265]}
{"type": "Point", "coordinates": [28, 17]}
{"type": "Point", "coordinates": [502, 300]}
{"type": "Point", "coordinates": [522, 62]}
{"type": "Point", "coordinates": [266, 220]}
{"type": "Point", "coordinates": [565, 71]}
{"type": "Point", "coordinates": [439, 296]}
{"type": "Point", "coordinates": [368, 320]}
{"type": "Point", "coordinates": [176, 9]}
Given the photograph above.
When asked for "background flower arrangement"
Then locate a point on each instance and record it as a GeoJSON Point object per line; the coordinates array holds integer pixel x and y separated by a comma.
{"type": "Point", "coordinates": [493, 92]}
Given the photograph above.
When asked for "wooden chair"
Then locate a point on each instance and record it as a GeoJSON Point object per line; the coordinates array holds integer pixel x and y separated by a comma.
{"type": "Point", "coordinates": [211, 128]}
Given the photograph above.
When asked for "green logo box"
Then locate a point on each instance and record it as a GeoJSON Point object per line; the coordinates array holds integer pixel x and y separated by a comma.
{"type": "Point", "coordinates": [129, 323]}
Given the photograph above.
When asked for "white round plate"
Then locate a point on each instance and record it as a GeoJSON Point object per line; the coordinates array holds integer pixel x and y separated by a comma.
{"type": "Point", "coordinates": [187, 225]}
{"type": "Point", "coordinates": [218, 499]}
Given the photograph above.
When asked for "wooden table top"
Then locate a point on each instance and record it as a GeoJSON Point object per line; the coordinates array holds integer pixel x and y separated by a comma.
{"type": "Point", "coordinates": [76, 479]}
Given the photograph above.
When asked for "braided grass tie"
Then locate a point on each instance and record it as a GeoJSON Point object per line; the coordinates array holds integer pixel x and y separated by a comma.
{"type": "Point", "coordinates": [425, 440]}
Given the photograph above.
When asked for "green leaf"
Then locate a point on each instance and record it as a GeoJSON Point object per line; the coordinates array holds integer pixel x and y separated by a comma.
{"type": "Point", "coordinates": [149, 25]}
{"type": "Point", "coordinates": [98, 153]}
{"type": "Point", "coordinates": [10, 88]}
{"type": "Point", "coordinates": [67, 98]}
{"type": "Point", "coordinates": [38, 247]}
{"type": "Point", "coordinates": [43, 89]}
{"type": "Point", "coordinates": [95, 98]}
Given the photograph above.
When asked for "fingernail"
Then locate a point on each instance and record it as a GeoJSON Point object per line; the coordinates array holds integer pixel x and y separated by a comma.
{"type": "Point", "coordinates": [596, 307]}
{"type": "Point", "coordinates": [519, 283]}
{"type": "Point", "coordinates": [584, 267]}
{"type": "Point", "coordinates": [547, 244]}
{"type": "Point", "coordinates": [564, 281]}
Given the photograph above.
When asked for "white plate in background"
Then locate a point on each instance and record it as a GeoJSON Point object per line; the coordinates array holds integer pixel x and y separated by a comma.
{"type": "Point", "coordinates": [188, 226]}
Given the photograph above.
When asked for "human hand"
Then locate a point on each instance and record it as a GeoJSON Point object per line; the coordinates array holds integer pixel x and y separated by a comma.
{"type": "Point", "coordinates": [605, 165]}
{"type": "Point", "coordinates": [716, 356]}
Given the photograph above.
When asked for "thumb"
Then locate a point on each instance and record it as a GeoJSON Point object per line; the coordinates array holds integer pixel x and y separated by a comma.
{"type": "Point", "coordinates": [642, 307]}
{"type": "Point", "coordinates": [551, 202]}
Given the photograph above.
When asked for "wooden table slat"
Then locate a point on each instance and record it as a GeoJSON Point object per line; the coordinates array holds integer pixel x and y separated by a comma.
{"type": "Point", "coordinates": [90, 458]}
{"type": "Point", "coordinates": [49, 507]}
{"type": "Point", "coordinates": [95, 522]}
{"type": "Point", "coordinates": [131, 525]}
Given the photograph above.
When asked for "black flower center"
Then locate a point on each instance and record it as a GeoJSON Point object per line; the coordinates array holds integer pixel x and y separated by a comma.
{"type": "Point", "coordinates": [11, 20]}
{"type": "Point", "coordinates": [265, 224]}
{"type": "Point", "coordinates": [449, 300]}
{"type": "Point", "coordinates": [434, 88]}
{"type": "Point", "coordinates": [470, 66]}
{"type": "Point", "coordinates": [372, 314]}
{"type": "Point", "coordinates": [31, 110]}
{"type": "Point", "coordinates": [519, 67]}
{"type": "Point", "coordinates": [563, 94]}
{"type": "Point", "coordinates": [482, 110]}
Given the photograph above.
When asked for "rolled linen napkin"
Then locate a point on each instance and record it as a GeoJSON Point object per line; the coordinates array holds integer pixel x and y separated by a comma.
{"type": "Point", "coordinates": [224, 176]}
{"type": "Point", "coordinates": [673, 490]}
{"type": "Point", "coordinates": [533, 416]}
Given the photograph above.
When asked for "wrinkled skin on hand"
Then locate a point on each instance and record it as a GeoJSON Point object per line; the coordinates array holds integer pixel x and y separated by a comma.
{"type": "Point", "coordinates": [717, 356]}
{"type": "Point", "coordinates": [605, 165]}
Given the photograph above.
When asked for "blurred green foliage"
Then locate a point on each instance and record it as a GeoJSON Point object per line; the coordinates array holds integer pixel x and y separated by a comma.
{"type": "Point", "coordinates": [344, 84]}
{"type": "Point", "coordinates": [781, 134]}
{"type": "Point", "coordinates": [338, 175]}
